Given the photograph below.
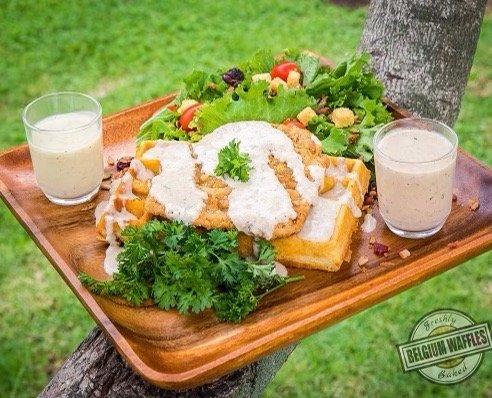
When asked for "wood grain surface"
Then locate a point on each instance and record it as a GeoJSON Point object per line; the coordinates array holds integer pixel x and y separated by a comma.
{"type": "Point", "coordinates": [177, 351]}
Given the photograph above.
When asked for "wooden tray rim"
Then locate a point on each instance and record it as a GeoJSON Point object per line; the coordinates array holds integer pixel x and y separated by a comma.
{"type": "Point", "coordinates": [324, 313]}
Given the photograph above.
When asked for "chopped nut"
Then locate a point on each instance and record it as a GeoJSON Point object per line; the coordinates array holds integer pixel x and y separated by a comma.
{"type": "Point", "coordinates": [261, 76]}
{"type": "Point", "coordinates": [306, 115]}
{"type": "Point", "coordinates": [362, 260]}
{"type": "Point", "coordinates": [123, 163]}
{"type": "Point", "coordinates": [353, 137]}
{"type": "Point", "coordinates": [473, 203]}
{"type": "Point", "coordinates": [386, 263]}
{"type": "Point", "coordinates": [106, 185]}
{"type": "Point", "coordinates": [276, 83]}
{"type": "Point", "coordinates": [404, 253]}
{"type": "Point", "coordinates": [380, 249]}
{"type": "Point", "coordinates": [372, 240]}
{"type": "Point", "coordinates": [323, 110]}
{"type": "Point", "coordinates": [108, 172]}
{"type": "Point", "coordinates": [293, 79]}
{"type": "Point", "coordinates": [342, 117]}
{"type": "Point", "coordinates": [118, 174]}
{"type": "Point", "coordinates": [453, 245]}
{"type": "Point", "coordinates": [322, 101]}
{"type": "Point", "coordinates": [365, 207]}
{"type": "Point", "coordinates": [187, 103]}
{"type": "Point", "coordinates": [373, 194]}
{"type": "Point", "coordinates": [455, 197]}
{"type": "Point", "coordinates": [110, 161]}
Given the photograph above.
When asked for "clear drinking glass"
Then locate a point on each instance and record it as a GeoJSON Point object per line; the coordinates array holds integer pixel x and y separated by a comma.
{"type": "Point", "coordinates": [64, 133]}
{"type": "Point", "coordinates": [415, 161]}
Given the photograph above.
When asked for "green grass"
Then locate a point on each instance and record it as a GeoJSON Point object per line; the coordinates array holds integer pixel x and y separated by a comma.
{"type": "Point", "coordinates": [128, 52]}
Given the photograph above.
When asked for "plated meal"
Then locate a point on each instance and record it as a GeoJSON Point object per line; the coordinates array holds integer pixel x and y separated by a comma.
{"type": "Point", "coordinates": [247, 171]}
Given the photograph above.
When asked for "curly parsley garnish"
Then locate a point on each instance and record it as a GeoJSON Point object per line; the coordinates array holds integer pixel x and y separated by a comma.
{"type": "Point", "coordinates": [178, 267]}
{"type": "Point", "coordinates": [233, 163]}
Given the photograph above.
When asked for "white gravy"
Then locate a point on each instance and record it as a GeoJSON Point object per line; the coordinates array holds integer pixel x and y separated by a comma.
{"type": "Point", "coordinates": [321, 220]}
{"type": "Point", "coordinates": [175, 187]}
{"type": "Point", "coordinates": [255, 206]}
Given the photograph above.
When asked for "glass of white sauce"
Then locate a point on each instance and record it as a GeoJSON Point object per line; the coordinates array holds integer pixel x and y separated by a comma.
{"type": "Point", "coordinates": [64, 133]}
{"type": "Point", "coordinates": [415, 161]}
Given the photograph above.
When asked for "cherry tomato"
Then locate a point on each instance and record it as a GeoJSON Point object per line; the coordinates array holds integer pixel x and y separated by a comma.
{"type": "Point", "coordinates": [187, 116]}
{"type": "Point", "coordinates": [293, 122]}
{"type": "Point", "coordinates": [282, 70]}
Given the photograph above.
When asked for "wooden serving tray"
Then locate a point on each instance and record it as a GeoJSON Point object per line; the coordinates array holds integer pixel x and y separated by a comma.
{"type": "Point", "coordinates": [177, 351]}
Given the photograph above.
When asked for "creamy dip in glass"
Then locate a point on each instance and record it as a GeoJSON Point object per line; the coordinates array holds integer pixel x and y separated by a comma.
{"type": "Point", "coordinates": [64, 132]}
{"type": "Point", "coordinates": [415, 161]}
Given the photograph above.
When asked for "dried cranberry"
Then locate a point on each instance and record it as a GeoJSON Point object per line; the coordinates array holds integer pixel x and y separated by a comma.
{"type": "Point", "coordinates": [123, 163]}
{"type": "Point", "coordinates": [380, 249]}
{"type": "Point", "coordinates": [233, 77]}
{"type": "Point", "coordinates": [368, 200]}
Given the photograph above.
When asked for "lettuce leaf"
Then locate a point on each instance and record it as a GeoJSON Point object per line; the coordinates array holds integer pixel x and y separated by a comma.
{"type": "Point", "coordinates": [336, 143]}
{"type": "Point", "coordinates": [347, 83]}
{"type": "Point", "coordinates": [372, 112]}
{"type": "Point", "coordinates": [261, 62]}
{"type": "Point", "coordinates": [161, 126]}
{"type": "Point", "coordinates": [310, 66]}
{"type": "Point", "coordinates": [202, 86]}
{"type": "Point", "coordinates": [252, 103]}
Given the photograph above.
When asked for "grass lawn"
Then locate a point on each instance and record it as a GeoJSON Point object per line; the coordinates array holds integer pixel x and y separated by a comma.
{"type": "Point", "coordinates": [128, 52]}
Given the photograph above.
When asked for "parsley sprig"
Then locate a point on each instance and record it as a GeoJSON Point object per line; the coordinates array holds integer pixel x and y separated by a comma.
{"type": "Point", "coordinates": [178, 267]}
{"type": "Point", "coordinates": [233, 163]}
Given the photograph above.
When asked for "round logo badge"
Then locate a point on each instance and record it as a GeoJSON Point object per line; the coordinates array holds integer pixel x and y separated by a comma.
{"type": "Point", "coordinates": [446, 346]}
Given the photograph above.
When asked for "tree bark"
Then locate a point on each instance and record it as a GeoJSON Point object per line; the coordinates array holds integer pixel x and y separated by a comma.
{"type": "Point", "coordinates": [423, 51]}
{"type": "Point", "coordinates": [96, 369]}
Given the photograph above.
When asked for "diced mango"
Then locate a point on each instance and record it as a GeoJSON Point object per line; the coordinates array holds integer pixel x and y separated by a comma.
{"type": "Point", "coordinates": [136, 207]}
{"type": "Point", "coordinates": [294, 79]}
{"type": "Point", "coordinates": [140, 188]}
{"type": "Point", "coordinates": [153, 165]}
{"type": "Point", "coordinates": [143, 147]}
{"type": "Point", "coordinates": [306, 115]}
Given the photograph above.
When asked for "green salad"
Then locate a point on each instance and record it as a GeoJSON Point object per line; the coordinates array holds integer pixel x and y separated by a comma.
{"type": "Point", "coordinates": [342, 106]}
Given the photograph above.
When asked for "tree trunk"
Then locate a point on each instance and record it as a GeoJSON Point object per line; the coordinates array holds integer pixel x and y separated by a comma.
{"type": "Point", "coordinates": [96, 369]}
{"type": "Point", "coordinates": [423, 51]}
